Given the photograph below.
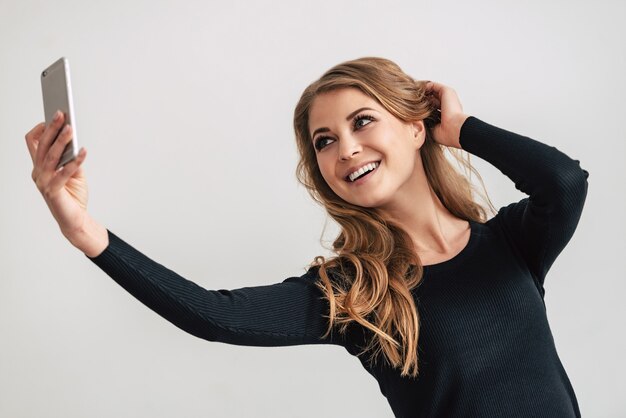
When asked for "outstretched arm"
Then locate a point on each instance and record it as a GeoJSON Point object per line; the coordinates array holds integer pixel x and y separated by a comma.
{"type": "Point", "coordinates": [287, 313]}
{"type": "Point", "coordinates": [281, 314]}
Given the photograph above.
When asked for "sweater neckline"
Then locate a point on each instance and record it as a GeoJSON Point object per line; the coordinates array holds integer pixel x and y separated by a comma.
{"type": "Point", "coordinates": [459, 257]}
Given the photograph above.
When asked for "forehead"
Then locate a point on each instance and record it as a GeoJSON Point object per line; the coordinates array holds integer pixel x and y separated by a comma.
{"type": "Point", "coordinates": [335, 105]}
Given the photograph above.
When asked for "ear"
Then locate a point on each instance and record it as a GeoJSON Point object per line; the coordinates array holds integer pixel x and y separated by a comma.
{"type": "Point", "coordinates": [418, 131]}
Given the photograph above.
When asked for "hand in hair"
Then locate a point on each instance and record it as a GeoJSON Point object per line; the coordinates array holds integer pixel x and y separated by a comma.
{"type": "Point", "coordinates": [448, 131]}
{"type": "Point", "coordinates": [64, 190]}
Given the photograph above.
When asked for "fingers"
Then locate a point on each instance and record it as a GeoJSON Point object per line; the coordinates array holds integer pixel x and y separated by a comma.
{"type": "Point", "coordinates": [434, 86]}
{"type": "Point", "coordinates": [435, 101]}
{"type": "Point", "coordinates": [434, 92]}
{"type": "Point", "coordinates": [55, 151]}
{"type": "Point", "coordinates": [444, 98]}
{"type": "Point", "coordinates": [46, 148]}
{"type": "Point", "coordinates": [32, 139]}
{"type": "Point", "coordinates": [48, 136]}
{"type": "Point", "coordinates": [45, 171]}
{"type": "Point", "coordinates": [68, 170]}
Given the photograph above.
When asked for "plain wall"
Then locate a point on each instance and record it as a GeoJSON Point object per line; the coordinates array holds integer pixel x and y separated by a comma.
{"type": "Point", "coordinates": [185, 109]}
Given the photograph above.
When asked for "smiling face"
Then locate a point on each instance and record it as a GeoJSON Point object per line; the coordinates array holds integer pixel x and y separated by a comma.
{"type": "Point", "coordinates": [352, 131]}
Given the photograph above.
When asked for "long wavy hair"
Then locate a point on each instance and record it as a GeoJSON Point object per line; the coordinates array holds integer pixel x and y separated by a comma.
{"type": "Point", "coordinates": [376, 267]}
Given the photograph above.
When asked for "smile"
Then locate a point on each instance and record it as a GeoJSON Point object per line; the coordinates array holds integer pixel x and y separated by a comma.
{"type": "Point", "coordinates": [363, 171]}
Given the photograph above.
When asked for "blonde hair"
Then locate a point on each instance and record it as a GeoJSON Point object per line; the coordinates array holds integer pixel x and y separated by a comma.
{"type": "Point", "coordinates": [375, 265]}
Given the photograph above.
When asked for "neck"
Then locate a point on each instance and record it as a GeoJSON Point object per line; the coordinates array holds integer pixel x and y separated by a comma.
{"type": "Point", "coordinates": [433, 229]}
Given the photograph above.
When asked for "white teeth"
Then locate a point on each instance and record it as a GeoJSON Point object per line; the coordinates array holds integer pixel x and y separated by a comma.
{"type": "Point", "coordinates": [367, 167]}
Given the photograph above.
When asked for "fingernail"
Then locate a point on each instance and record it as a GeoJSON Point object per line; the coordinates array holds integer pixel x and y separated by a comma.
{"type": "Point", "coordinates": [57, 115]}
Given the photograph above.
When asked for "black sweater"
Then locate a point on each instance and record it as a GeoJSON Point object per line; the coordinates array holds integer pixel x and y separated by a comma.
{"type": "Point", "coordinates": [485, 345]}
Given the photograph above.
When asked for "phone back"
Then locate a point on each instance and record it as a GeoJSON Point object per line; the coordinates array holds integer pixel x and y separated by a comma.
{"type": "Point", "coordinates": [57, 95]}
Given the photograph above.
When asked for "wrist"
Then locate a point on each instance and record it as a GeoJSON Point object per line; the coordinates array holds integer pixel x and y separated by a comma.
{"type": "Point", "coordinates": [458, 123]}
{"type": "Point", "coordinates": [92, 238]}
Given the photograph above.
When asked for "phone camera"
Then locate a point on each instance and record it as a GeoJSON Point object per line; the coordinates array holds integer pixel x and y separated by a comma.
{"type": "Point", "coordinates": [45, 73]}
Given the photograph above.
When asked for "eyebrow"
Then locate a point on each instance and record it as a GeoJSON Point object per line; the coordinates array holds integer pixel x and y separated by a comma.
{"type": "Point", "coordinates": [350, 116]}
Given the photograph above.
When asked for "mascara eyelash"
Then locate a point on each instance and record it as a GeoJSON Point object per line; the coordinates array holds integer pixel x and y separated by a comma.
{"type": "Point", "coordinates": [360, 117]}
{"type": "Point", "coordinates": [318, 140]}
{"type": "Point", "coordinates": [355, 120]}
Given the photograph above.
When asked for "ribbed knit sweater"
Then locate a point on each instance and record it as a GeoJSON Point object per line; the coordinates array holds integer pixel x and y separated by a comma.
{"type": "Point", "coordinates": [485, 345]}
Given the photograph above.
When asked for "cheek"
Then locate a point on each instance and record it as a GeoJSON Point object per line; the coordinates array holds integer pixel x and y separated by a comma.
{"type": "Point", "coordinates": [332, 181]}
{"type": "Point", "coordinates": [327, 172]}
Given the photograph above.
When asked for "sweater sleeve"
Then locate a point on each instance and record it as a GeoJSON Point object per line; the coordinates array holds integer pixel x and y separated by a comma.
{"type": "Point", "coordinates": [281, 314]}
{"type": "Point", "coordinates": [540, 225]}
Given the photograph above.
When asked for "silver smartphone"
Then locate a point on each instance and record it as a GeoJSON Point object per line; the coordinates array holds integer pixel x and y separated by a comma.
{"type": "Point", "coordinates": [57, 95]}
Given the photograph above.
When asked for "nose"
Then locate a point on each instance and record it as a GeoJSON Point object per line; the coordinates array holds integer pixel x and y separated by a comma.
{"type": "Point", "coordinates": [348, 147]}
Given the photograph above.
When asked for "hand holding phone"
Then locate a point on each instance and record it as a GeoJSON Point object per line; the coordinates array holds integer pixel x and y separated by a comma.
{"type": "Point", "coordinates": [65, 189]}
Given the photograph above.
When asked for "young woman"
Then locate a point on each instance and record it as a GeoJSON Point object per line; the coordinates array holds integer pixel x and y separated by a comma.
{"type": "Point", "coordinates": [443, 306]}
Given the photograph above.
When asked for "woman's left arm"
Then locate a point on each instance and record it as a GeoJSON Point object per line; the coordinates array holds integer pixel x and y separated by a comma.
{"type": "Point", "coordinates": [542, 224]}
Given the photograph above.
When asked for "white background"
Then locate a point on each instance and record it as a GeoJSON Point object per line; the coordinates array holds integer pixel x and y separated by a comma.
{"type": "Point", "coordinates": [185, 109]}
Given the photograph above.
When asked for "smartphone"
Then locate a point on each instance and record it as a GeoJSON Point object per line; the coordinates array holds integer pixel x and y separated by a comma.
{"type": "Point", "coordinates": [57, 95]}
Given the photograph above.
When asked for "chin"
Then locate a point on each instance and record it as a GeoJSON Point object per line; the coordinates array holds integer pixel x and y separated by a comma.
{"type": "Point", "coordinates": [371, 202]}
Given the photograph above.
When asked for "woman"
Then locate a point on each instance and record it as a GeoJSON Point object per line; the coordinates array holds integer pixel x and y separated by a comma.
{"type": "Point", "coordinates": [442, 306]}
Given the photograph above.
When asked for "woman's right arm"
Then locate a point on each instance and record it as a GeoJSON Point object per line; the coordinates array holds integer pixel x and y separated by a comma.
{"type": "Point", "coordinates": [287, 313]}
{"type": "Point", "coordinates": [64, 190]}
{"type": "Point", "coordinates": [282, 314]}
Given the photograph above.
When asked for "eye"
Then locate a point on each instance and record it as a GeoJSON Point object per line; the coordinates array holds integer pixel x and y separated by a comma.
{"type": "Point", "coordinates": [359, 119]}
{"type": "Point", "coordinates": [320, 142]}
